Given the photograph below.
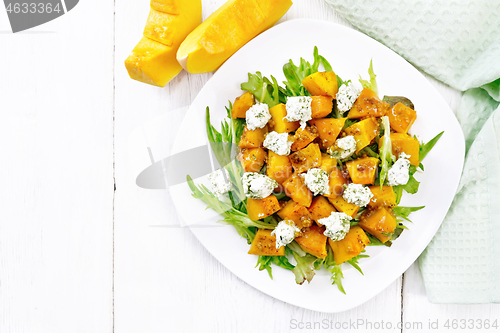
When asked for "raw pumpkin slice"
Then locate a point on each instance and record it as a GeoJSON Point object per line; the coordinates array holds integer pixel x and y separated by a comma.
{"type": "Point", "coordinates": [226, 30]}
{"type": "Point", "coordinates": [153, 60]}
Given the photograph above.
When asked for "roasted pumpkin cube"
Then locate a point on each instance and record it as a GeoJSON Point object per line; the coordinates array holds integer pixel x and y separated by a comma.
{"type": "Point", "coordinates": [279, 167]}
{"type": "Point", "coordinates": [303, 137]}
{"type": "Point", "coordinates": [321, 106]}
{"type": "Point", "coordinates": [328, 130]}
{"type": "Point", "coordinates": [252, 139]}
{"type": "Point", "coordinates": [401, 117]}
{"type": "Point", "coordinates": [313, 241]}
{"type": "Point", "coordinates": [343, 206]}
{"type": "Point", "coordinates": [321, 208]}
{"type": "Point", "coordinates": [337, 180]}
{"type": "Point", "coordinates": [352, 245]}
{"type": "Point", "coordinates": [259, 208]}
{"type": "Point", "coordinates": [307, 158]}
{"type": "Point", "coordinates": [403, 143]}
{"type": "Point", "coordinates": [290, 210]}
{"type": "Point", "coordinates": [321, 83]}
{"type": "Point", "coordinates": [296, 189]}
{"type": "Point", "coordinates": [368, 105]}
{"type": "Point", "coordinates": [363, 170]}
{"type": "Point", "coordinates": [277, 122]}
{"type": "Point", "coordinates": [382, 197]}
{"type": "Point", "coordinates": [264, 244]}
{"type": "Point", "coordinates": [327, 163]}
{"type": "Point", "coordinates": [364, 132]}
{"type": "Point", "coordinates": [241, 105]}
{"type": "Point", "coordinates": [379, 222]}
{"type": "Point", "coordinates": [252, 159]}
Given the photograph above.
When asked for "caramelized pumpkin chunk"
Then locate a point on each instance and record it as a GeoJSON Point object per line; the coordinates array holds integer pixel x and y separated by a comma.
{"type": "Point", "coordinates": [279, 167]}
{"type": "Point", "coordinates": [321, 83]}
{"type": "Point", "coordinates": [378, 222]}
{"type": "Point", "coordinates": [382, 197]}
{"type": "Point", "coordinates": [327, 163]}
{"type": "Point", "coordinates": [253, 139]}
{"type": "Point", "coordinates": [321, 106]}
{"type": "Point", "coordinates": [265, 245]}
{"type": "Point", "coordinates": [277, 122]}
{"type": "Point", "coordinates": [401, 117]}
{"type": "Point", "coordinates": [321, 208]}
{"type": "Point", "coordinates": [343, 206]}
{"type": "Point", "coordinates": [328, 130]}
{"type": "Point", "coordinates": [307, 158]}
{"type": "Point", "coordinates": [368, 105]}
{"type": "Point", "coordinates": [313, 241]}
{"type": "Point", "coordinates": [403, 143]}
{"type": "Point", "coordinates": [260, 208]}
{"type": "Point", "coordinates": [363, 170]}
{"type": "Point", "coordinates": [353, 243]}
{"type": "Point", "coordinates": [337, 181]}
{"type": "Point", "coordinates": [364, 132]}
{"type": "Point", "coordinates": [303, 137]}
{"type": "Point", "coordinates": [296, 189]}
{"type": "Point", "coordinates": [241, 105]}
{"type": "Point", "coordinates": [290, 210]}
{"type": "Point", "coordinates": [252, 159]}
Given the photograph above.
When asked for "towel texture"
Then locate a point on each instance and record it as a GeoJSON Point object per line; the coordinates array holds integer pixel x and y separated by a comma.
{"type": "Point", "coordinates": [457, 42]}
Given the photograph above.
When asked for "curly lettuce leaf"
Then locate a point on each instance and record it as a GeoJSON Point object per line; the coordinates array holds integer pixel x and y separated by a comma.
{"type": "Point", "coordinates": [385, 151]}
{"type": "Point", "coordinates": [425, 148]}
{"type": "Point", "coordinates": [265, 90]}
{"type": "Point", "coordinates": [372, 84]}
{"type": "Point", "coordinates": [264, 262]}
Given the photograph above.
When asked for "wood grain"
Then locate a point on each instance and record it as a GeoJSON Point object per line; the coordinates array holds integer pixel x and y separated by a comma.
{"type": "Point", "coordinates": [56, 198]}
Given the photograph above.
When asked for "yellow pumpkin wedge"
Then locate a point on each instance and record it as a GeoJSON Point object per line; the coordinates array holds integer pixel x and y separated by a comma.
{"type": "Point", "coordinates": [277, 122]}
{"type": "Point", "coordinates": [321, 208]}
{"type": "Point", "coordinates": [259, 208]}
{"type": "Point", "coordinates": [364, 132]}
{"type": "Point", "coordinates": [241, 105]}
{"type": "Point", "coordinates": [382, 197]}
{"type": "Point", "coordinates": [363, 170]}
{"type": "Point", "coordinates": [313, 241]}
{"type": "Point", "coordinates": [328, 130]}
{"type": "Point", "coordinates": [378, 222]}
{"type": "Point", "coordinates": [296, 189]}
{"type": "Point", "coordinates": [264, 244]}
{"type": "Point", "coordinates": [252, 159]}
{"type": "Point", "coordinates": [322, 83]}
{"type": "Point", "coordinates": [353, 243]}
{"type": "Point", "coordinates": [226, 30]}
{"type": "Point", "coordinates": [290, 210]}
{"type": "Point", "coordinates": [153, 60]}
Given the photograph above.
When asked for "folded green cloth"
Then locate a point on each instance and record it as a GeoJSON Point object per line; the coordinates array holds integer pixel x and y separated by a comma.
{"type": "Point", "coordinates": [457, 42]}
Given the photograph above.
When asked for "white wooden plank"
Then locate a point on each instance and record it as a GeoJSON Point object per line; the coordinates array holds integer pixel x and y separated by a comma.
{"type": "Point", "coordinates": [164, 279]}
{"type": "Point", "coordinates": [56, 202]}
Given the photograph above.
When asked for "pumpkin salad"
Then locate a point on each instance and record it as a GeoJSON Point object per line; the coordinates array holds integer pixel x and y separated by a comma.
{"type": "Point", "coordinates": [314, 169]}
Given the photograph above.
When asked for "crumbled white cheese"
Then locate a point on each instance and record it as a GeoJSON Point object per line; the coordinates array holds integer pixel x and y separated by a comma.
{"type": "Point", "coordinates": [285, 232]}
{"type": "Point", "coordinates": [298, 108]}
{"type": "Point", "coordinates": [337, 225]}
{"type": "Point", "coordinates": [357, 194]}
{"type": "Point", "coordinates": [257, 116]}
{"type": "Point", "coordinates": [347, 95]}
{"type": "Point", "coordinates": [399, 173]}
{"type": "Point", "coordinates": [257, 186]}
{"type": "Point", "coordinates": [219, 181]}
{"type": "Point", "coordinates": [317, 181]}
{"type": "Point", "coordinates": [343, 148]}
{"type": "Point", "coordinates": [278, 143]}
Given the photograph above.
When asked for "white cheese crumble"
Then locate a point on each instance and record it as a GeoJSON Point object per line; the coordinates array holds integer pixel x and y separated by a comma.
{"type": "Point", "coordinates": [257, 186]}
{"type": "Point", "coordinates": [278, 143]}
{"type": "Point", "coordinates": [347, 95]}
{"type": "Point", "coordinates": [399, 173]}
{"type": "Point", "coordinates": [298, 108]}
{"type": "Point", "coordinates": [343, 148]}
{"type": "Point", "coordinates": [357, 194]}
{"type": "Point", "coordinates": [257, 116]}
{"type": "Point", "coordinates": [337, 225]}
{"type": "Point", "coordinates": [219, 181]}
{"type": "Point", "coordinates": [285, 232]}
{"type": "Point", "coordinates": [317, 181]}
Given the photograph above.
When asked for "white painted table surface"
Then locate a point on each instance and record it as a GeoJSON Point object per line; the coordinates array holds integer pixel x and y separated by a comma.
{"type": "Point", "coordinates": [76, 255]}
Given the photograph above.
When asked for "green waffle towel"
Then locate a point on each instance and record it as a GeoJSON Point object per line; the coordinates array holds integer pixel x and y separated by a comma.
{"type": "Point", "coordinates": [457, 42]}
